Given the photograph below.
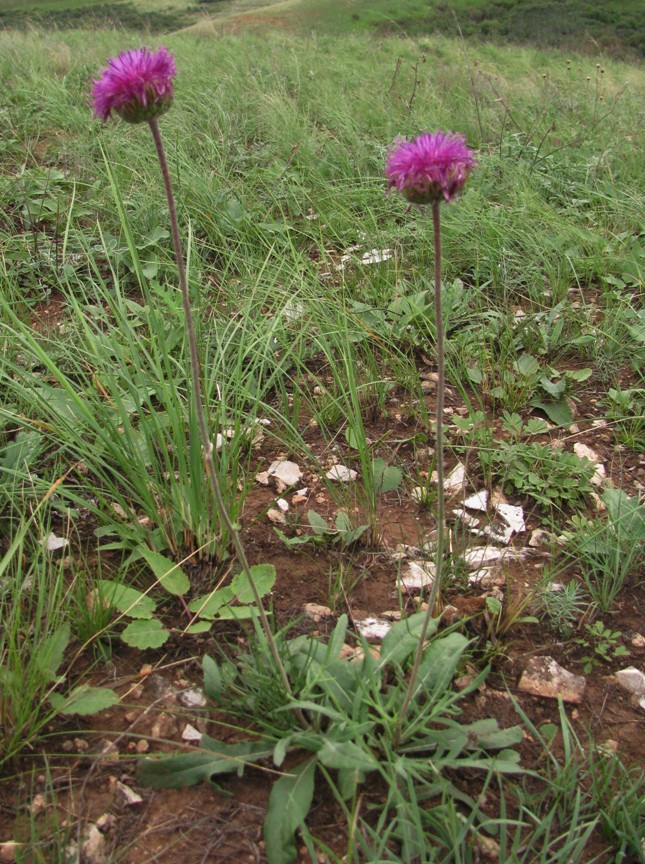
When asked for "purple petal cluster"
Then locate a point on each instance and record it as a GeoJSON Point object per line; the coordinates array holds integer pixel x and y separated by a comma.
{"type": "Point", "coordinates": [433, 166]}
{"type": "Point", "coordinates": [137, 85]}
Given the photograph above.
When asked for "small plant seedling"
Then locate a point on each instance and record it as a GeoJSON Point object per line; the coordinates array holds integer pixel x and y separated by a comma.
{"type": "Point", "coordinates": [602, 643]}
{"type": "Point", "coordinates": [561, 609]}
{"type": "Point", "coordinates": [343, 532]}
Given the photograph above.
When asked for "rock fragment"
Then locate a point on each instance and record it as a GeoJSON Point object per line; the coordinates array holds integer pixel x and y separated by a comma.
{"type": "Point", "coordinates": [544, 677]}
{"type": "Point", "coordinates": [478, 501]}
{"type": "Point", "coordinates": [373, 629]}
{"type": "Point", "coordinates": [126, 795]}
{"type": "Point", "coordinates": [341, 473]}
{"type": "Point", "coordinates": [316, 612]}
{"type": "Point", "coordinates": [417, 576]}
{"type": "Point", "coordinates": [632, 679]}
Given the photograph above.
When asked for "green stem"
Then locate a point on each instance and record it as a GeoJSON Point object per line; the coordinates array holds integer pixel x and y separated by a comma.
{"type": "Point", "coordinates": [207, 446]}
{"type": "Point", "coordinates": [441, 505]}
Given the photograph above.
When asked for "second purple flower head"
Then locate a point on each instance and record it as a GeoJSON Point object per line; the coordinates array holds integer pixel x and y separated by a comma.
{"type": "Point", "coordinates": [137, 85]}
{"type": "Point", "coordinates": [432, 167]}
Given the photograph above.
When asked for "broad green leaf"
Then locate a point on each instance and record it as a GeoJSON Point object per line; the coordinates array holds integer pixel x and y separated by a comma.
{"type": "Point", "coordinates": [210, 605]}
{"type": "Point", "coordinates": [317, 522]}
{"type": "Point", "coordinates": [50, 652]}
{"type": "Point", "coordinates": [387, 478]}
{"type": "Point", "coordinates": [536, 426]}
{"type": "Point", "coordinates": [264, 577]}
{"type": "Point", "coordinates": [144, 634]}
{"type": "Point", "coordinates": [402, 638]}
{"type": "Point", "coordinates": [558, 412]}
{"type": "Point", "coordinates": [169, 574]}
{"type": "Point", "coordinates": [291, 541]}
{"type": "Point", "coordinates": [289, 804]}
{"type": "Point", "coordinates": [213, 758]}
{"type": "Point", "coordinates": [198, 627]}
{"type": "Point", "coordinates": [354, 440]}
{"type": "Point", "coordinates": [555, 389]}
{"type": "Point", "coordinates": [127, 600]}
{"type": "Point", "coordinates": [212, 677]}
{"type": "Point", "coordinates": [346, 754]}
{"type": "Point", "coordinates": [342, 522]}
{"type": "Point", "coordinates": [580, 374]}
{"type": "Point", "coordinates": [440, 661]}
{"type": "Point", "coordinates": [84, 700]}
{"type": "Point", "coordinates": [526, 365]}
{"type": "Point", "coordinates": [350, 537]}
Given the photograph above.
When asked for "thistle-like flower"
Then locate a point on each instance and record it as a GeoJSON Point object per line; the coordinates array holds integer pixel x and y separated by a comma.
{"type": "Point", "coordinates": [137, 85]}
{"type": "Point", "coordinates": [432, 167]}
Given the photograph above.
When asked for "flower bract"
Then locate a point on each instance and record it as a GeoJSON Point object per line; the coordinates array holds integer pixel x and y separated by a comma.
{"type": "Point", "coordinates": [430, 168]}
{"type": "Point", "coordinates": [137, 85]}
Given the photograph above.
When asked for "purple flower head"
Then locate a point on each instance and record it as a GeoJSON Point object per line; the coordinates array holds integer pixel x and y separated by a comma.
{"type": "Point", "coordinates": [136, 84]}
{"type": "Point", "coordinates": [432, 167]}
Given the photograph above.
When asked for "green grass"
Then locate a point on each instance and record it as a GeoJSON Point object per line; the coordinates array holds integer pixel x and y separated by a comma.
{"type": "Point", "coordinates": [616, 26]}
{"type": "Point", "coordinates": [277, 146]}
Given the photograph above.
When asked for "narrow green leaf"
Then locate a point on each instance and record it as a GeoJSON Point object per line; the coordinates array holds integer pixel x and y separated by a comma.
{"type": "Point", "coordinates": [289, 804]}
{"type": "Point", "coordinates": [212, 677]}
{"type": "Point", "coordinates": [346, 754]}
{"type": "Point", "coordinates": [213, 758]}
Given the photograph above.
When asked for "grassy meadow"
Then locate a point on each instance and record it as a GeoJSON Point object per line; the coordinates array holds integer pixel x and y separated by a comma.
{"type": "Point", "coordinates": [312, 291]}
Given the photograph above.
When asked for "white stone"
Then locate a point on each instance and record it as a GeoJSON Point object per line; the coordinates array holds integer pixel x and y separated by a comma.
{"type": "Point", "coordinates": [376, 256]}
{"type": "Point", "coordinates": [513, 516]}
{"type": "Point", "coordinates": [191, 734]}
{"type": "Point", "coordinates": [499, 533]}
{"type": "Point", "coordinates": [585, 452]}
{"type": "Point", "coordinates": [478, 501]}
{"type": "Point", "coordinates": [373, 629]}
{"type": "Point", "coordinates": [466, 518]}
{"type": "Point", "coordinates": [486, 556]}
{"type": "Point", "coordinates": [276, 516]}
{"type": "Point", "coordinates": [282, 504]}
{"type": "Point", "coordinates": [94, 849]}
{"type": "Point", "coordinates": [53, 543]}
{"type": "Point", "coordinates": [456, 479]}
{"type": "Point", "coordinates": [341, 473]}
{"type": "Point", "coordinates": [193, 698]}
{"type": "Point", "coordinates": [544, 677]}
{"type": "Point", "coordinates": [316, 612]}
{"type": "Point", "coordinates": [127, 796]}
{"type": "Point", "coordinates": [540, 537]}
{"type": "Point", "coordinates": [418, 575]}
{"type": "Point", "coordinates": [287, 473]}
{"type": "Point", "coordinates": [632, 679]}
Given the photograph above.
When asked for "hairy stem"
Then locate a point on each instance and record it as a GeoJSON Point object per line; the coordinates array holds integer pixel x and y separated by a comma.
{"type": "Point", "coordinates": [441, 506]}
{"type": "Point", "coordinates": [207, 446]}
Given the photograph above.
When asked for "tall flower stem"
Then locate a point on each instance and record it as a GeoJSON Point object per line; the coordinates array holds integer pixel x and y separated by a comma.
{"type": "Point", "coordinates": [441, 505]}
{"type": "Point", "coordinates": [201, 413]}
